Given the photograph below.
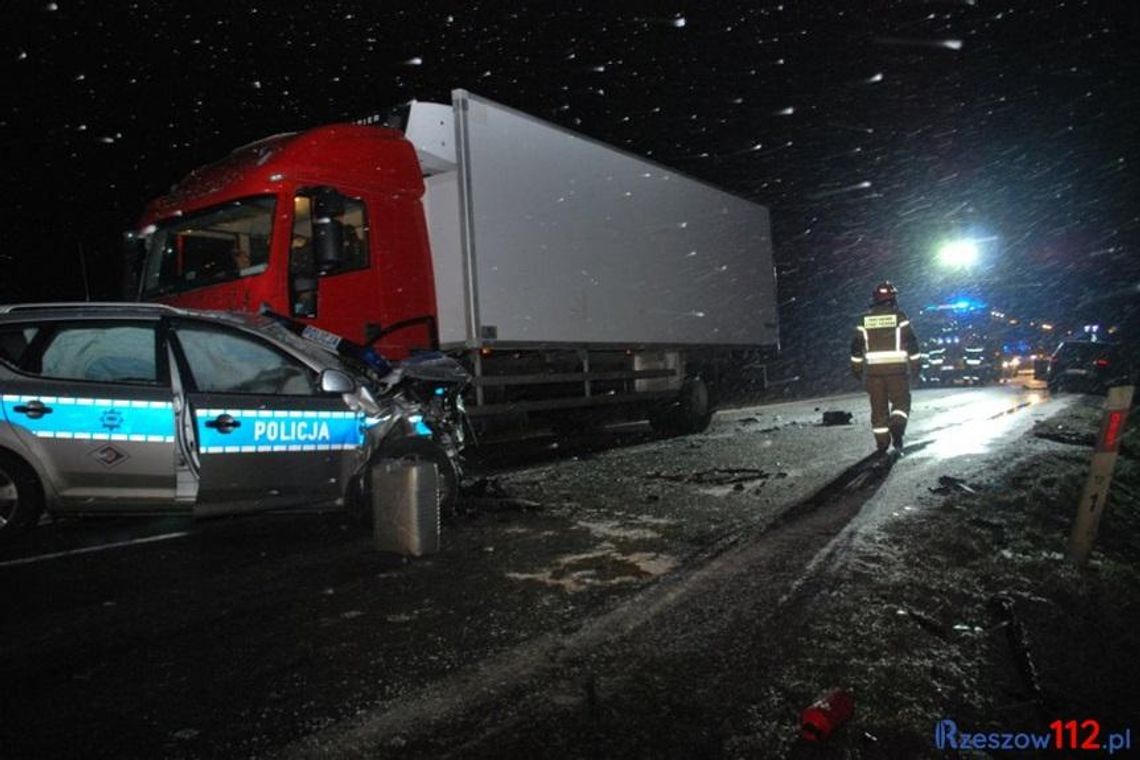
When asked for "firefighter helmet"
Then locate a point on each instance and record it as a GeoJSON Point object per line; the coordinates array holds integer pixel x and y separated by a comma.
{"type": "Point", "coordinates": [884, 292]}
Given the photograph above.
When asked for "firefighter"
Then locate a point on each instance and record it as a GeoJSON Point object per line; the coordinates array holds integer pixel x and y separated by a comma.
{"type": "Point", "coordinates": [884, 353]}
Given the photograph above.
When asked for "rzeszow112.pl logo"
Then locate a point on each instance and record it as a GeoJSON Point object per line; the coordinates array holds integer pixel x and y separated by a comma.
{"type": "Point", "coordinates": [1063, 735]}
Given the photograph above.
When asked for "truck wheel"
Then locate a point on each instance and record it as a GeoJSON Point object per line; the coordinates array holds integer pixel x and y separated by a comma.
{"type": "Point", "coordinates": [21, 499]}
{"type": "Point", "coordinates": [690, 413]}
{"type": "Point", "coordinates": [417, 449]}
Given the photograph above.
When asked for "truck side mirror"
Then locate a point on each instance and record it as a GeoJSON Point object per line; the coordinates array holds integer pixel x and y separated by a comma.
{"type": "Point", "coordinates": [328, 230]}
{"type": "Point", "coordinates": [134, 259]}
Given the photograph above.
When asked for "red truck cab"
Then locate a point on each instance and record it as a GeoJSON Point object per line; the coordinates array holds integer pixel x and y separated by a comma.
{"type": "Point", "coordinates": [324, 225]}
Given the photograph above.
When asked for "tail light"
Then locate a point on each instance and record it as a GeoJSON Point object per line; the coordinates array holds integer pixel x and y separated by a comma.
{"type": "Point", "coordinates": [1102, 363]}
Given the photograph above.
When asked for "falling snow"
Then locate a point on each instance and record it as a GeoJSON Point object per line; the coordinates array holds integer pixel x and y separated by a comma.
{"type": "Point", "coordinates": [882, 133]}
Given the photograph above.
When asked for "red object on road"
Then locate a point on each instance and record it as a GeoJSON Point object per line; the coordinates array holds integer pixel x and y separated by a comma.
{"type": "Point", "coordinates": [829, 712]}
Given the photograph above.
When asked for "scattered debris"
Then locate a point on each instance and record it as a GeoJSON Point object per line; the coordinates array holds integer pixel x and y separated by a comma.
{"type": "Point", "coordinates": [1015, 635]}
{"type": "Point", "coordinates": [948, 483]}
{"type": "Point", "coordinates": [1070, 437]}
{"type": "Point", "coordinates": [501, 504]}
{"type": "Point", "coordinates": [488, 494]}
{"type": "Point", "coordinates": [720, 476]}
{"type": "Point", "coordinates": [483, 487]}
{"type": "Point", "coordinates": [967, 628]}
{"type": "Point", "coordinates": [748, 421]}
{"type": "Point", "coordinates": [837, 418]}
{"type": "Point", "coordinates": [927, 623]}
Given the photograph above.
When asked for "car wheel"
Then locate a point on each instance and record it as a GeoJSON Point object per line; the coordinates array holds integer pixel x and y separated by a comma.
{"type": "Point", "coordinates": [21, 499]}
{"type": "Point", "coordinates": [419, 449]}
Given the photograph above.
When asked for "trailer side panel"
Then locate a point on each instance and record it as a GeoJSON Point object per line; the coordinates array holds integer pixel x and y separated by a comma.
{"type": "Point", "coordinates": [574, 242]}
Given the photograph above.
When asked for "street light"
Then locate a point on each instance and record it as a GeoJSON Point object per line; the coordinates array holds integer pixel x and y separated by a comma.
{"type": "Point", "coordinates": [959, 254]}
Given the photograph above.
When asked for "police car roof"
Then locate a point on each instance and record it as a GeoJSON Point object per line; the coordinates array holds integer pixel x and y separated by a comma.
{"type": "Point", "coordinates": [94, 307]}
{"type": "Point", "coordinates": [122, 310]}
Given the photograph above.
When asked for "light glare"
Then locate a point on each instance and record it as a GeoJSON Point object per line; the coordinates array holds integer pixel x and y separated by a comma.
{"type": "Point", "coordinates": [959, 253]}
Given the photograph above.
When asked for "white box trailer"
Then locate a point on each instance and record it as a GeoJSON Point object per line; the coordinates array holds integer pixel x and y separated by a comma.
{"type": "Point", "coordinates": [545, 240]}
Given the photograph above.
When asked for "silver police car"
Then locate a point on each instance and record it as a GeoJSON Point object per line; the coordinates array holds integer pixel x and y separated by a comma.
{"type": "Point", "coordinates": [142, 408]}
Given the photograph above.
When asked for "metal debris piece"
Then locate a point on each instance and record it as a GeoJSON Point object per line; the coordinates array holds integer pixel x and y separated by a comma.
{"type": "Point", "coordinates": [948, 483]}
{"type": "Point", "coordinates": [926, 622]}
{"type": "Point", "coordinates": [1015, 635]}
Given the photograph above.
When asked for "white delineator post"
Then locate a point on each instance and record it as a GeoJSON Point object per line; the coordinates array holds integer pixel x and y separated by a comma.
{"type": "Point", "coordinates": [1091, 506]}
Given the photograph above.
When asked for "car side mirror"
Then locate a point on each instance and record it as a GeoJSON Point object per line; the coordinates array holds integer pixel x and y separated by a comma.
{"type": "Point", "coordinates": [335, 381]}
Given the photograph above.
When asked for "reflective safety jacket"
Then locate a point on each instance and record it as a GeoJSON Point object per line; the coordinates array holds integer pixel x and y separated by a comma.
{"type": "Point", "coordinates": [884, 343]}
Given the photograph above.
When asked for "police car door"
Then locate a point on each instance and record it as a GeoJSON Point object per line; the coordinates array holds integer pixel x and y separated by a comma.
{"type": "Point", "coordinates": [90, 401]}
{"type": "Point", "coordinates": [264, 436]}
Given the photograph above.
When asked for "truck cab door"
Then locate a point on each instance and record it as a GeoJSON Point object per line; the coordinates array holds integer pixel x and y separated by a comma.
{"type": "Point", "coordinates": [260, 433]}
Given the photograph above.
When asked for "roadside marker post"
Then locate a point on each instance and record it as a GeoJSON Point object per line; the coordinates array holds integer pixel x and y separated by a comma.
{"type": "Point", "coordinates": [1091, 506]}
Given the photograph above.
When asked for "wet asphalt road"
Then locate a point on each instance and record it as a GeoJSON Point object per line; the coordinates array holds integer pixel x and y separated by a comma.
{"type": "Point", "coordinates": [604, 578]}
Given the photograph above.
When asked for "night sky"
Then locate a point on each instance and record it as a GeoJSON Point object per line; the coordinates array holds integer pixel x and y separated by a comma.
{"type": "Point", "coordinates": [874, 131]}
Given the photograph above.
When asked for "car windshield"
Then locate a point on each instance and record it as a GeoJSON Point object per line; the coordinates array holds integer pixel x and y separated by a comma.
{"type": "Point", "coordinates": [318, 352]}
{"type": "Point", "coordinates": [223, 243]}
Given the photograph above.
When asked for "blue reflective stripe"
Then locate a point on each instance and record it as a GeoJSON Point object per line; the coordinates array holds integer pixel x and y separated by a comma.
{"type": "Point", "coordinates": [96, 419]}
{"type": "Point", "coordinates": [267, 430]}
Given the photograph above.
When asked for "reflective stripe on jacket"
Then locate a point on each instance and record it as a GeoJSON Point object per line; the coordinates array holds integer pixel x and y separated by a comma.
{"type": "Point", "coordinates": [884, 342]}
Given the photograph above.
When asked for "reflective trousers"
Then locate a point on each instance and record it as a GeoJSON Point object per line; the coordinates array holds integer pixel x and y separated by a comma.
{"type": "Point", "coordinates": [890, 407]}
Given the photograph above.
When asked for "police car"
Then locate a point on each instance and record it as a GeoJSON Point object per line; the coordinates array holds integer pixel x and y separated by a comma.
{"type": "Point", "coordinates": [142, 408]}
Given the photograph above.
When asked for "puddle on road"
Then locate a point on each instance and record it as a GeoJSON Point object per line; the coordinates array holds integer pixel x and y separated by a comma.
{"type": "Point", "coordinates": [605, 567]}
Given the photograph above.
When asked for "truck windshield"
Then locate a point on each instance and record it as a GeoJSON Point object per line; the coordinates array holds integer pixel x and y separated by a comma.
{"type": "Point", "coordinates": [222, 243]}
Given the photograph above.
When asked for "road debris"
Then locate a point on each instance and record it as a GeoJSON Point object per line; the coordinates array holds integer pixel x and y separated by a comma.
{"type": "Point", "coordinates": [719, 476]}
{"type": "Point", "coordinates": [831, 710]}
{"type": "Point", "coordinates": [489, 495]}
{"type": "Point", "coordinates": [837, 418]}
{"type": "Point", "coordinates": [948, 483]}
{"type": "Point", "coordinates": [1069, 437]}
{"type": "Point", "coordinates": [1015, 635]}
{"type": "Point", "coordinates": [925, 622]}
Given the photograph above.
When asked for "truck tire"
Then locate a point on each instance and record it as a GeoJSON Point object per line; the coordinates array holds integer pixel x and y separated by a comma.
{"type": "Point", "coordinates": [21, 497]}
{"type": "Point", "coordinates": [419, 449]}
{"type": "Point", "coordinates": [690, 413]}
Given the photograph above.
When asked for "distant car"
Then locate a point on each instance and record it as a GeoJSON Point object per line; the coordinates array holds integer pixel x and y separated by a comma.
{"type": "Point", "coordinates": [133, 408]}
{"type": "Point", "coordinates": [1087, 367]}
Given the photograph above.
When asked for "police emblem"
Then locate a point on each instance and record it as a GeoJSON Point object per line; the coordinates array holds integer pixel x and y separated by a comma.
{"type": "Point", "coordinates": [112, 419]}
